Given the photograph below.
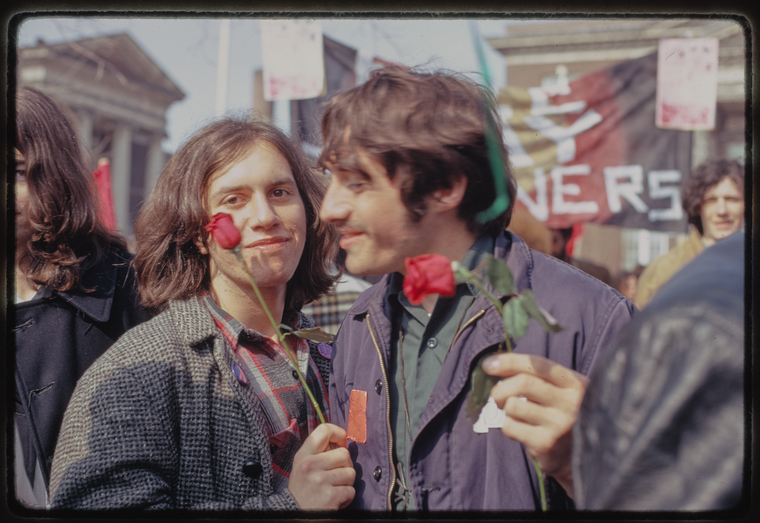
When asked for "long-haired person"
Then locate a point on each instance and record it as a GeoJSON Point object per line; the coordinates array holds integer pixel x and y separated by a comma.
{"type": "Point", "coordinates": [75, 289]}
{"type": "Point", "coordinates": [199, 408]}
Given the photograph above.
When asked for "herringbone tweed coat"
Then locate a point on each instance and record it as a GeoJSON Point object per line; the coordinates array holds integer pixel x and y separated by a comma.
{"type": "Point", "coordinates": [160, 422]}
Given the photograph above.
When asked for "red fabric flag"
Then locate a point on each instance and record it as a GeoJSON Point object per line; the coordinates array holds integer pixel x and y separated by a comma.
{"type": "Point", "coordinates": [102, 177]}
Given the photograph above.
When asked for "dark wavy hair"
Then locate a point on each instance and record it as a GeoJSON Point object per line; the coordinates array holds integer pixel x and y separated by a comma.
{"type": "Point", "coordinates": [430, 124]}
{"type": "Point", "coordinates": [169, 265]}
{"type": "Point", "coordinates": [702, 178]}
{"type": "Point", "coordinates": [67, 237]}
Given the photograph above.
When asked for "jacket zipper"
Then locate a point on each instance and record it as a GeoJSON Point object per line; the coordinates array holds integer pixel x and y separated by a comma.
{"type": "Point", "coordinates": [456, 336]}
{"type": "Point", "coordinates": [387, 411]}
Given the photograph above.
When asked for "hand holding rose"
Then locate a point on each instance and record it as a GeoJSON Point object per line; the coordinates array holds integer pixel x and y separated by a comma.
{"type": "Point", "coordinates": [544, 422]}
{"type": "Point", "coordinates": [323, 478]}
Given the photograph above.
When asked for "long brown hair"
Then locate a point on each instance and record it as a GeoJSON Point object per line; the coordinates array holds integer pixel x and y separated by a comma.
{"type": "Point", "coordinates": [431, 125]}
{"type": "Point", "coordinates": [66, 236]}
{"type": "Point", "coordinates": [168, 263]}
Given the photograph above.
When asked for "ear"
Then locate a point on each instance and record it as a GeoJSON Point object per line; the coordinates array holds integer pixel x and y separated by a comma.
{"type": "Point", "coordinates": [447, 199]}
{"type": "Point", "coordinates": [198, 241]}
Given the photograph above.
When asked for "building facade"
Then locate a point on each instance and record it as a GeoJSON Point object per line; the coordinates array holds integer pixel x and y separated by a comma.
{"type": "Point", "coordinates": [118, 97]}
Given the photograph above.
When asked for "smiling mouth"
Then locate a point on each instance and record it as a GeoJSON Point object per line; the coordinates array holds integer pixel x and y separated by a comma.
{"type": "Point", "coordinates": [347, 238]}
{"type": "Point", "coordinates": [267, 243]}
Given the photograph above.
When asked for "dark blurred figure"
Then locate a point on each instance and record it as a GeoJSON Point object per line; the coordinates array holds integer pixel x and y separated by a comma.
{"type": "Point", "coordinates": [560, 237]}
{"type": "Point", "coordinates": [75, 290]}
{"type": "Point", "coordinates": [713, 198]}
{"type": "Point", "coordinates": [627, 282]}
{"type": "Point", "coordinates": [661, 427]}
{"type": "Point", "coordinates": [329, 311]}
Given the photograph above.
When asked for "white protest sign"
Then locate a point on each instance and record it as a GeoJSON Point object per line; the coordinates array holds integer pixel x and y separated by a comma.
{"type": "Point", "coordinates": [293, 59]}
{"type": "Point", "coordinates": [687, 83]}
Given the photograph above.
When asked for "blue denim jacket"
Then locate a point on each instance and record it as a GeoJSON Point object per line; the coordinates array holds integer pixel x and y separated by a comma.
{"type": "Point", "coordinates": [451, 466]}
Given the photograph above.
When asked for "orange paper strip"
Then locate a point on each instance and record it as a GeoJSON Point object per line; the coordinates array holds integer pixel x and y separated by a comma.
{"type": "Point", "coordinates": [357, 416]}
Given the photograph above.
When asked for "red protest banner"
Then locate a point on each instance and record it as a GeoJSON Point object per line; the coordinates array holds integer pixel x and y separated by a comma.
{"type": "Point", "coordinates": [589, 151]}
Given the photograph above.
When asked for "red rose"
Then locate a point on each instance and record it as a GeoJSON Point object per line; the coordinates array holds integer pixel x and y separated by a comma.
{"type": "Point", "coordinates": [428, 274]}
{"type": "Point", "coordinates": [223, 229]}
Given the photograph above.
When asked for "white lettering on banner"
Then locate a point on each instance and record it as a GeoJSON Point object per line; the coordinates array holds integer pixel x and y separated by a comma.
{"type": "Point", "coordinates": [630, 191]}
{"type": "Point", "coordinates": [517, 155]}
{"type": "Point", "coordinates": [564, 137]}
{"type": "Point", "coordinates": [559, 205]}
{"type": "Point", "coordinates": [540, 103]}
{"type": "Point", "coordinates": [656, 191]}
{"type": "Point", "coordinates": [539, 208]}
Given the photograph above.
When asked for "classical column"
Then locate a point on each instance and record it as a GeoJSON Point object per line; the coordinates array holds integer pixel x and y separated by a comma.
{"type": "Point", "coordinates": [155, 164]}
{"type": "Point", "coordinates": [121, 160]}
{"type": "Point", "coordinates": [84, 121]}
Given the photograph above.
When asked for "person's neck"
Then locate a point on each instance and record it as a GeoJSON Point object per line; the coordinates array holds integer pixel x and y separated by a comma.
{"type": "Point", "coordinates": [450, 238]}
{"type": "Point", "coordinates": [244, 306]}
{"type": "Point", "coordinates": [707, 242]}
{"type": "Point", "coordinates": [25, 289]}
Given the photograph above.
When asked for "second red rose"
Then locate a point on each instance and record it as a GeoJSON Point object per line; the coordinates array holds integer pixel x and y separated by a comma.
{"type": "Point", "coordinates": [428, 274]}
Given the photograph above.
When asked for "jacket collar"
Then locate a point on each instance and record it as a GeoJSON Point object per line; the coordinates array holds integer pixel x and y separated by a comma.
{"type": "Point", "coordinates": [97, 304]}
{"type": "Point", "coordinates": [193, 320]}
{"type": "Point", "coordinates": [508, 247]}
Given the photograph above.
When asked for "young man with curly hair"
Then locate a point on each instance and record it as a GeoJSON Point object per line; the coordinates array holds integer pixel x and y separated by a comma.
{"type": "Point", "coordinates": [713, 198]}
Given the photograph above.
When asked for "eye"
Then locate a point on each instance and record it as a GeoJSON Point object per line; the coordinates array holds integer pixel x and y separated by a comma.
{"type": "Point", "coordinates": [20, 175]}
{"type": "Point", "coordinates": [281, 192]}
{"type": "Point", "coordinates": [232, 200]}
{"type": "Point", "coordinates": [356, 182]}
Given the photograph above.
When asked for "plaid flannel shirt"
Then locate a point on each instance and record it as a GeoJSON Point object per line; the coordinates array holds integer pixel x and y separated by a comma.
{"type": "Point", "coordinates": [329, 311]}
{"type": "Point", "coordinates": [264, 366]}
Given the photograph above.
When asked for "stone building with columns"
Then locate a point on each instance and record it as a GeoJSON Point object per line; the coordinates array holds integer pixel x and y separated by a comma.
{"type": "Point", "coordinates": [118, 97]}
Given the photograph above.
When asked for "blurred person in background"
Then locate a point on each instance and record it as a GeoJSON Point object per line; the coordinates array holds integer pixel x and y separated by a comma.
{"type": "Point", "coordinates": [627, 283]}
{"type": "Point", "coordinates": [661, 427]}
{"type": "Point", "coordinates": [75, 287]}
{"type": "Point", "coordinates": [713, 198]}
{"type": "Point", "coordinates": [200, 408]}
{"type": "Point", "coordinates": [329, 310]}
{"type": "Point", "coordinates": [560, 239]}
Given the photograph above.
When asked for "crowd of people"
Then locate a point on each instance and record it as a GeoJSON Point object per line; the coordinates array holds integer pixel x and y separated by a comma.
{"type": "Point", "coordinates": [178, 394]}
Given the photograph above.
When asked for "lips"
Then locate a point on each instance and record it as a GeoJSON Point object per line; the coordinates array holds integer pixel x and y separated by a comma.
{"type": "Point", "coordinates": [347, 238]}
{"type": "Point", "coordinates": [264, 243]}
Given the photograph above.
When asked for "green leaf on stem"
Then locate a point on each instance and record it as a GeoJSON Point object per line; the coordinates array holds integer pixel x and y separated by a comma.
{"type": "Point", "coordinates": [314, 334]}
{"type": "Point", "coordinates": [515, 317]}
{"type": "Point", "coordinates": [500, 276]}
{"type": "Point", "coordinates": [547, 321]}
{"type": "Point", "coordinates": [482, 384]}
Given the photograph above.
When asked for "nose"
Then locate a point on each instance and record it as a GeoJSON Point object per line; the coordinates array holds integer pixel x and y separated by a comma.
{"type": "Point", "coordinates": [263, 213]}
{"type": "Point", "coordinates": [722, 209]}
{"type": "Point", "coordinates": [334, 208]}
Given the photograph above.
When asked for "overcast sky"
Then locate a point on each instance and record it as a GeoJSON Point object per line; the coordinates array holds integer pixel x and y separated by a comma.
{"type": "Point", "coordinates": [186, 49]}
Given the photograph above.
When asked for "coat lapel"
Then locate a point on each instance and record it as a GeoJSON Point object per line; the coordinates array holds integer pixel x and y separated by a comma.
{"type": "Point", "coordinates": [198, 328]}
